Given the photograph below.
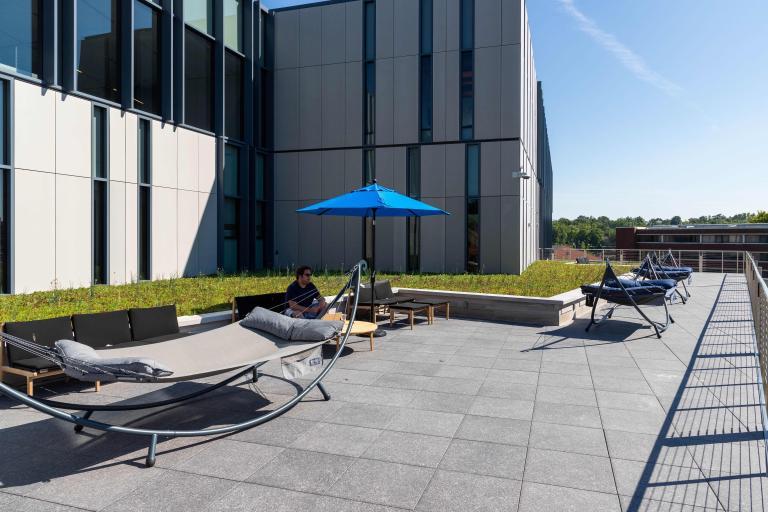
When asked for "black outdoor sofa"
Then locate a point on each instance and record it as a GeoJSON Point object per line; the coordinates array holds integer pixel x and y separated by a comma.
{"type": "Point", "coordinates": [113, 329]}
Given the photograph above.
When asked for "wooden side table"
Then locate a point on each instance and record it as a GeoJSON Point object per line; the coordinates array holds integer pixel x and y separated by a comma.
{"type": "Point", "coordinates": [359, 327]}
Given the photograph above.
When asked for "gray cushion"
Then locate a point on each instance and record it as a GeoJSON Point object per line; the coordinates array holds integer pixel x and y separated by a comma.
{"type": "Point", "coordinates": [138, 368]}
{"type": "Point", "coordinates": [293, 329]}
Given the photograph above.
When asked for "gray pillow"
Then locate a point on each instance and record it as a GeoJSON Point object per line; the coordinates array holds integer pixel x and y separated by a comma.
{"type": "Point", "coordinates": [139, 368]}
{"type": "Point", "coordinates": [269, 321]}
{"type": "Point", "coordinates": [315, 330]}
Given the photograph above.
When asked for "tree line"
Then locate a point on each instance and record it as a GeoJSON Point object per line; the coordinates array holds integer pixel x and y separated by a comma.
{"type": "Point", "coordinates": [586, 231]}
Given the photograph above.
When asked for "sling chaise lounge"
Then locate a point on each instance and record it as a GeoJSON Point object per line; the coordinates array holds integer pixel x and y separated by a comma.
{"type": "Point", "coordinates": [654, 268]}
{"type": "Point", "coordinates": [230, 348]}
{"type": "Point", "coordinates": [628, 292]}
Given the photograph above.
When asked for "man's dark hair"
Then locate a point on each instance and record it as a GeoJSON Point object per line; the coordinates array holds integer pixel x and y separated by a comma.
{"type": "Point", "coordinates": [302, 269]}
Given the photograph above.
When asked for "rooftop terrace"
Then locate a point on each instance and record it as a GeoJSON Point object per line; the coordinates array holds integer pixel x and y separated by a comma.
{"type": "Point", "coordinates": [460, 415]}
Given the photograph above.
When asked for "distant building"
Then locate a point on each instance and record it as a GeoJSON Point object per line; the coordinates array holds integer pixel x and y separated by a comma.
{"type": "Point", "coordinates": [702, 246]}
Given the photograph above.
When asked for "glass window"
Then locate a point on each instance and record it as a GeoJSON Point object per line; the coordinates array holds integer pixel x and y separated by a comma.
{"type": "Point", "coordinates": [20, 36]}
{"type": "Point", "coordinates": [231, 260]}
{"type": "Point", "coordinates": [98, 48]}
{"type": "Point", "coordinates": [473, 170]}
{"type": "Point", "coordinates": [145, 193]}
{"type": "Point", "coordinates": [473, 235]}
{"type": "Point", "coordinates": [5, 241]}
{"type": "Point", "coordinates": [99, 143]}
{"type": "Point", "coordinates": [233, 96]}
{"type": "Point", "coordinates": [413, 171]}
{"type": "Point", "coordinates": [260, 214]}
{"type": "Point", "coordinates": [413, 224]}
{"type": "Point", "coordinates": [4, 155]}
{"type": "Point", "coordinates": [425, 30]}
{"type": "Point", "coordinates": [233, 25]}
{"type": "Point", "coordinates": [370, 31]}
{"type": "Point", "coordinates": [467, 24]}
{"type": "Point", "coordinates": [146, 58]}
{"type": "Point", "coordinates": [198, 81]}
{"type": "Point", "coordinates": [199, 14]}
{"type": "Point", "coordinates": [756, 239]}
{"type": "Point", "coordinates": [100, 174]}
{"type": "Point", "coordinates": [467, 95]}
{"type": "Point", "coordinates": [370, 103]}
{"type": "Point", "coordinates": [425, 99]}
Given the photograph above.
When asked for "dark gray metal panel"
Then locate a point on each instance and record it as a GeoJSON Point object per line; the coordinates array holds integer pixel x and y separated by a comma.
{"type": "Point", "coordinates": [453, 24]}
{"type": "Point", "coordinates": [310, 238]}
{"type": "Point", "coordinates": [488, 92]}
{"type": "Point", "coordinates": [354, 32]}
{"type": "Point", "coordinates": [455, 226]}
{"type": "Point", "coordinates": [286, 176]}
{"type": "Point", "coordinates": [334, 44]}
{"type": "Point", "coordinates": [488, 17]}
{"type": "Point", "coordinates": [384, 28]}
{"type": "Point", "coordinates": [334, 104]}
{"type": "Point", "coordinates": [406, 105]}
{"type": "Point", "coordinates": [433, 179]}
{"type": "Point", "coordinates": [310, 36]}
{"type": "Point", "coordinates": [511, 21]}
{"type": "Point", "coordinates": [490, 169]}
{"type": "Point", "coordinates": [510, 230]}
{"type": "Point", "coordinates": [310, 176]}
{"type": "Point", "coordinates": [286, 39]}
{"type": "Point", "coordinates": [385, 167]}
{"type": "Point", "coordinates": [354, 106]}
{"type": "Point", "coordinates": [287, 109]}
{"type": "Point", "coordinates": [510, 158]}
{"type": "Point", "coordinates": [433, 238]}
{"type": "Point", "coordinates": [310, 107]}
{"type": "Point", "coordinates": [439, 25]}
{"type": "Point", "coordinates": [490, 234]}
{"type": "Point", "coordinates": [385, 75]}
{"type": "Point", "coordinates": [455, 171]}
{"type": "Point", "coordinates": [438, 96]}
{"type": "Point", "coordinates": [286, 229]}
{"type": "Point", "coordinates": [509, 105]}
{"type": "Point", "coordinates": [406, 28]}
{"type": "Point", "coordinates": [333, 175]}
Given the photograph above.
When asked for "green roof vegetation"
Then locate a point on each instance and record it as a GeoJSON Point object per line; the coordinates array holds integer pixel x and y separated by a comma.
{"type": "Point", "coordinates": [194, 295]}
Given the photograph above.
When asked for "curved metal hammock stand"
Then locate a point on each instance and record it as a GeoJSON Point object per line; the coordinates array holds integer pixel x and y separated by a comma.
{"type": "Point", "coordinates": [654, 267]}
{"type": "Point", "coordinates": [57, 409]}
{"type": "Point", "coordinates": [619, 296]}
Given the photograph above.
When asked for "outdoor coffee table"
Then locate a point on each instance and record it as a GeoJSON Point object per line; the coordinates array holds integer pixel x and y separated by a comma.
{"type": "Point", "coordinates": [410, 308]}
{"type": "Point", "coordinates": [437, 303]}
{"type": "Point", "coordinates": [358, 328]}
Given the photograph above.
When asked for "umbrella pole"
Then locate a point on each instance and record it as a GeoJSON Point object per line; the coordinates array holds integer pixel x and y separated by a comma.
{"type": "Point", "coordinates": [379, 332]}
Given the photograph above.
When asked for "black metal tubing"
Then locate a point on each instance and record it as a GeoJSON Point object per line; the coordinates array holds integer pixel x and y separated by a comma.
{"type": "Point", "coordinates": [84, 421]}
{"type": "Point", "coordinates": [658, 327]}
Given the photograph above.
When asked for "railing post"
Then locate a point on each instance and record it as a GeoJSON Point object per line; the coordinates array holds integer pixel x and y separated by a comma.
{"type": "Point", "coordinates": [701, 261]}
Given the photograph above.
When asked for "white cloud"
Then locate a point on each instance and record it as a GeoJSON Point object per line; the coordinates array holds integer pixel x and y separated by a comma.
{"type": "Point", "coordinates": [629, 59]}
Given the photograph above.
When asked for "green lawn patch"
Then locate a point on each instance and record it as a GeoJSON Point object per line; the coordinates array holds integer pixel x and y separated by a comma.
{"type": "Point", "coordinates": [205, 294]}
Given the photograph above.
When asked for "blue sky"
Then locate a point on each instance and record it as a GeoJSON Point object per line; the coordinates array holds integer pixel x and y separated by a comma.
{"type": "Point", "coordinates": [656, 107]}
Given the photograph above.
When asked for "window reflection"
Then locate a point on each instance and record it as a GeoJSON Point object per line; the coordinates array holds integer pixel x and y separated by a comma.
{"type": "Point", "coordinates": [20, 33]}
{"type": "Point", "coordinates": [98, 48]}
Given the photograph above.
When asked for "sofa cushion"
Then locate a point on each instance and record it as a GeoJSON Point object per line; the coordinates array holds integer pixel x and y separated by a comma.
{"type": "Point", "coordinates": [315, 330]}
{"type": "Point", "coordinates": [153, 322]}
{"type": "Point", "coordinates": [102, 329]}
{"type": "Point", "coordinates": [44, 332]}
{"type": "Point", "coordinates": [35, 364]}
{"type": "Point", "coordinates": [272, 301]}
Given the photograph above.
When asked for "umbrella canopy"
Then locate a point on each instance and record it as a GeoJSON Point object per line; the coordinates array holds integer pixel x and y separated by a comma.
{"type": "Point", "coordinates": [373, 201]}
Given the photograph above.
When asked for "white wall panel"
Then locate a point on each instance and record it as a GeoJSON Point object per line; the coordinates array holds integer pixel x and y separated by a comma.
{"type": "Point", "coordinates": [116, 144]}
{"type": "Point", "coordinates": [164, 155]}
{"type": "Point", "coordinates": [34, 127]}
{"type": "Point", "coordinates": [164, 233]}
{"type": "Point", "coordinates": [510, 162]}
{"type": "Point", "coordinates": [117, 248]}
{"type": "Point", "coordinates": [131, 148]}
{"type": "Point", "coordinates": [206, 239]}
{"type": "Point", "coordinates": [73, 231]}
{"type": "Point", "coordinates": [34, 231]}
{"type": "Point", "coordinates": [189, 217]}
{"type": "Point", "coordinates": [207, 163]}
{"type": "Point", "coordinates": [73, 135]}
{"type": "Point", "coordinates": [189, 155]}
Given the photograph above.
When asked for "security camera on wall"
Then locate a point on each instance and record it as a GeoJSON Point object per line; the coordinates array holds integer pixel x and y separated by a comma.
{"type": "Point", "coordinates": [521, 174]}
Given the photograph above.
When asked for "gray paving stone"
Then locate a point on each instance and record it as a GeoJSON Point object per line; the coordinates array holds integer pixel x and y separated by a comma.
{"type": "Point", "coordinates": [402, 381]}
{"type": "Point", "coordinates": [564, 368]}
{"type": "Point", "coordinates": [564, 414]}
{"type": "Point", "coordinates": [455, 386]}
{"type": "Point", "coordinates": [536, 497]}
{"type": "Point", "coordinates": [433, 423]}
{"type": "Point", "coordinates": [279, 432]}
{"type": "Point", "coordinates": [302, 470]}
{"type": "Point", "coordinates": [247, 497]}
{"type": "Point", "coordinates": [568, 438]}
{"type": "Point", "coordinates": [573, 470]}
{"type": "Point", "coordinates": [408, 448]}
{"type": "Point", "coordinates": [364, 415]}
{"type": "Point", "coordinates": [14, 503]}
{"type": "Point", "coordinates": [352, 376]}
{"type": "Point", "coordinates": [495, 430]}
{"type": "Point", "coordinates": [519, 376]}
{"type": "Point", "coordinates": [234, 460]}
{"type": "Point", "coordinates": [458, 492]}
{"type": "Point", "coordinates": [565, 380]}
{"type": "Point", "coordinates": [173, 491]}
{"type": "Point", "coordinates": [442, 402]}
{"type": "Point", "coordinates": [385, 483]}
{"type": "Point", "coordinates": [337, 439]}
{"type": "Point", "coordinates": [643, 422]}
{"type": "Point", "coordinates": [502, 389]}
{"type": "Point", "coordinates": [568, 396]}
{"type": "Point", "coordinates": [492, 459]}
{"type": "Point", "coordinates": [630, 445]}
{"type": "Point", "coordinates": [502, 408]}
{"type": "Point", "coordinates": [461, 372]}
{"type": "Point", "coordinates": [621, 385]}
{"type": "Point", "coordinates": [386, 396]}
{"type": "Point", "coordinates": [630, 401]}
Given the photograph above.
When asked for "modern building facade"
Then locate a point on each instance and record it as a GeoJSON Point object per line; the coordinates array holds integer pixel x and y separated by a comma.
{"type": "Point", "coordinates": [145, 139]}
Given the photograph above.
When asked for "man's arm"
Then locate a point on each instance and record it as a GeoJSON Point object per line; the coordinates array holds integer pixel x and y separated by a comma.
{"type": "Point", "coordinates": [296, 309]}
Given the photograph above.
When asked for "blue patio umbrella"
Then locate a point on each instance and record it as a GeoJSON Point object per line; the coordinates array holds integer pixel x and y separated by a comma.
{"type": "Point", "coordinates": [373, 201]}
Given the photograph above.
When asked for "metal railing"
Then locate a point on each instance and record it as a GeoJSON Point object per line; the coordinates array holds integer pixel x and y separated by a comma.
{"type": "Point", "coordinates": [758, 298]}
{"type": "Point", "coordinates": [700, 260]}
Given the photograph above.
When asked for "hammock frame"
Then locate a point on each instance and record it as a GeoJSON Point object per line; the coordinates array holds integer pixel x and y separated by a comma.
{"type": "Point", "coordinates": [57, 409]}
{"type": "Point", "coordinates": [653, 267]}
{"type": "Point", "coordinates": [627, 300]}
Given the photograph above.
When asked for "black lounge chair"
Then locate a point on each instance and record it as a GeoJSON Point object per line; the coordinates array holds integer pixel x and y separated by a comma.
{"type": "Point", "coordinates": [653, 268]}
{"type": "Point", "coordinates": [383, 297]}
{"type": "Point", "coordinates": [628, 292]}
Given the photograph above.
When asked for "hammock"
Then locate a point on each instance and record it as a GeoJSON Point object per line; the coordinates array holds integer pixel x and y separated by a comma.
{"type": "Point", "coordinates": [213, 352]}
{"type": "Point", "coordinates": [654, 267]}
{"type": "Point", "coordinates": [632, 293]}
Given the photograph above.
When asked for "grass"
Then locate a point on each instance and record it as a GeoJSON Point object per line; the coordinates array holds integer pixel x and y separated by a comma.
{"type": "Point", "coordinates": [214, 293]}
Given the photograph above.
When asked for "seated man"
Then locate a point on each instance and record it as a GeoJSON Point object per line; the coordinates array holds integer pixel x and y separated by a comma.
{"type": "Point", "coordinates": [303, 298]}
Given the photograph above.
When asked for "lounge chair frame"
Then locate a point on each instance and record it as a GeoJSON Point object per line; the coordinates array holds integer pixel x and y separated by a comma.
{"type": "Point", "coordinates": [57, 409]}
{"type": "Point", "coordinates": [628, 300]}
{"type": "Point", "coordinates": [654, 266]}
